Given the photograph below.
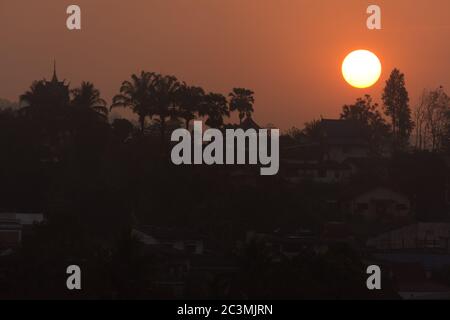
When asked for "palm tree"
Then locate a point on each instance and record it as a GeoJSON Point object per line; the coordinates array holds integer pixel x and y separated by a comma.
{"type": "Point", "coordinates": [35, 96]}
{"type": "Point", "coordinates": [47, 105]}
{"type": "Point", "coordinates": [136, 94]}
{"type": "Point", "coordinates": [44, 97]}
{"type": "Point", "coordinates": [242, 101]}
{"type": "Point", "coordinates": [164, 93]}
{"type": "Point", "coordinates": [190, 99]}
{"type": "Point", "coordinates": [88, 97]}
{"type": "Point", "coordinates": [215, 107]}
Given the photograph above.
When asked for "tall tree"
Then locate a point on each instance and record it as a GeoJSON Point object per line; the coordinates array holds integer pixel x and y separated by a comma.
{"type": "Point", "coordinates": [396, 106]}
{"type": "Point", "coordinates": [88, 97]}
{"type": "Point", "coordinates": [46, 104]}
{"type": "Point", "coordinates": [51, 96]}
{"type": "Point", "coordinates": [432, 120]}
{"type": "Point", "coordinates": [190, 99]}
{"type": "Point", "coordinates": [215, 107]}
{"type": "Point", "coordinates": [165, 93]}
{"type": "Point", "coordinates": [242, 101]}
{"type": "Point", "coordinates": [446, 138]}
{"type": "Point", "coordinates": [137, 95]}
{"type": "Point", "coordinates": [36, 97]}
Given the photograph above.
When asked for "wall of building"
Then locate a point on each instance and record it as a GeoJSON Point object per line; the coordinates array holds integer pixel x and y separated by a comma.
{"type": "Point", "coordinates": [417, 236]}
{"type": "Point", "coordinates": [380, 203]}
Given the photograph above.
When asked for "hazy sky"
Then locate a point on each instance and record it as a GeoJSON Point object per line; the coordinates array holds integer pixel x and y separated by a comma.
{"type": "Point", "coordinates": [288, 51]}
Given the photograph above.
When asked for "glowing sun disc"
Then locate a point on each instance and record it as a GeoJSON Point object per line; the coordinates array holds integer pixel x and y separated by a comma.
{"type": "Point", "coordinates": [361, 69]}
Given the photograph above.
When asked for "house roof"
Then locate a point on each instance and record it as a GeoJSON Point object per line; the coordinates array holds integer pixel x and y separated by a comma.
{"type": "Point", "coordinates": [340, 128]}
{"type": "Point", "coordinates": [342, 132]}
{"type": "Point", "coordinates": [362, 190]}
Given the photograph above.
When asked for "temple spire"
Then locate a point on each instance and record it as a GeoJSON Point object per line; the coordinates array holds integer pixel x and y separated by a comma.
{"type": "Point", "coordinates": [55, 78]}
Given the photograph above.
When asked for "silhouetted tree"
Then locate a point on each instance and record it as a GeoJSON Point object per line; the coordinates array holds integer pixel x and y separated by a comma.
{"type": "Point", "coordinates": [215, 107]}
{"type": "Point", "coordinates": [432, 120]}
{"type": "Point", "coordinates": [35, 96]}
{"type": "Point", "coordinates": [313, 130]}
{"type": "Point", "coordinates": [396, 106]}
{"type": "Point", "coordinates": [365, 113]}
{"type": "Point", "coordinates": [88, 97]}
{"type": "Point", "coordinates": [6, 104]}
{"type": "Point", "coordinates": [46, 105]}
{"type": "Point", "coordinates": [137, 95]}
{"type": "Point", "coordinates": [46, 95]}
{"type": "Point", "coordinates": [293, 135]}
{"type": "Point", "coordinates": [164, 93]}
{"type": "Point", "coordinates": [446, 138]}
{"type": "Point", "coordinates": [242, 101]}
{"type": "Point", "coordinates": [190, 99]}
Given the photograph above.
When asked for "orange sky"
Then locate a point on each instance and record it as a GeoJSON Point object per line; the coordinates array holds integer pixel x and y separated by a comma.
{"type": "Point", "coordinates": [288, 51]}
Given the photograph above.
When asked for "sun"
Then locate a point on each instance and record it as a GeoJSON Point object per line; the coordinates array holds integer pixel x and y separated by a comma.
{"type": "Point", "coordinates": [361, 69]}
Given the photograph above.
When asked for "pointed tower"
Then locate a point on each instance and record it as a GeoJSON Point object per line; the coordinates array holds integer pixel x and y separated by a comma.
{"type": "Point", "coordinates": [58, 90]}
{"type": "Point", "coordinates": [54, 78]}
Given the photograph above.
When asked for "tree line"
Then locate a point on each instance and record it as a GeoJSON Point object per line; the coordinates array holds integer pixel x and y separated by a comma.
{"type": "Point", "coordinates": [159, 97]}
{"type": "Point", "coordinates": [150, 96]}
{"type": "Point", "coordinates": [162, 98]}
{"type": "Point", "coordinates": [394, 125]}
